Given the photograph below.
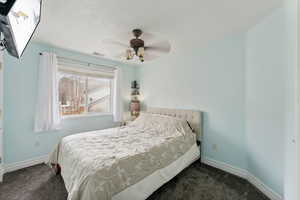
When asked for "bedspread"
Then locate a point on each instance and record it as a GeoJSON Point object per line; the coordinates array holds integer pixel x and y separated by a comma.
{"type": "Point", "coordinates": [97, 165]}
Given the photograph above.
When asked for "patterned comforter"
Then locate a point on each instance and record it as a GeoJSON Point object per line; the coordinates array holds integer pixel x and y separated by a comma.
{"type": "Point", "coordinates": [97, 165]}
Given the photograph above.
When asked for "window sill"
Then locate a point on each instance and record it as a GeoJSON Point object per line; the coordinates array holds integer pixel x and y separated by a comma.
{"type": "Point", "coordinates": [87, 115]}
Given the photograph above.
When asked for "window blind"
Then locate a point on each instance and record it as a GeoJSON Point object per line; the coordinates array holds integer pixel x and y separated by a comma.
{"type": "Point", "coordinates": [84, 69]}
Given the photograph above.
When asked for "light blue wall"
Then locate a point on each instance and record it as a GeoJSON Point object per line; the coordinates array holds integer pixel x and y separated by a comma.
{"type": "Point", "coordinates": [212, 80]}
{"type": "Point", "coordinates": [291, 172]}
{"type": "Point", "coordinates": [245, 84]}
{"type": "Point", "coordinates": [20, 91]}
{"type": "Point", "coordinates": [271, 72]}
{"type": "Point", "coordinates": [265, 99]}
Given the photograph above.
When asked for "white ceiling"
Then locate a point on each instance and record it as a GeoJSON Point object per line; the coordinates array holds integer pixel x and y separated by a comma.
{"type": "Point", "coordinates": [82, 25]}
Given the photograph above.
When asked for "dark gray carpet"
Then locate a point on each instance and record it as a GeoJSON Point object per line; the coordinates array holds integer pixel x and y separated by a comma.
{"type": "Point", "coordinates": [197, 182]}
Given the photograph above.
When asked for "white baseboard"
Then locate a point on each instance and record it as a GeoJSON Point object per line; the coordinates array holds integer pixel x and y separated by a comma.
{"type": "Point", "coordinates": [226, 167]}
{"type": "Point", "coordinates": [263, 187]}
{"type": "Point", "coordinates": [243, 174]}
{"type": "Point", "coordinates": [26, 163]}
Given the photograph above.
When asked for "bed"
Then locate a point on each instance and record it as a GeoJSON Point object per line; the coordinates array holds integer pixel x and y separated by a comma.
{"type": "Point", "coordinates": [132, 161]}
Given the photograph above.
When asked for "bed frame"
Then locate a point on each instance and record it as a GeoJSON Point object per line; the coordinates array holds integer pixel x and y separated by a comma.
{"type": "Point", "coordinates": [148, 185]}
{"type": "Point", "coordinates": [194, 117]}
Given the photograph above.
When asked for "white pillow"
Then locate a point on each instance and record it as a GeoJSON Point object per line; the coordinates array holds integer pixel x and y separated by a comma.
{"type": "Point", "coordinates": [162, 124]}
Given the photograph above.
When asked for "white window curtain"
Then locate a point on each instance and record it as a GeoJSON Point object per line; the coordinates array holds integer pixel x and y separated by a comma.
{"type": "Point", "coordinates": [117, 96]}
{"type": "Point", "coordinates": [47, 115]}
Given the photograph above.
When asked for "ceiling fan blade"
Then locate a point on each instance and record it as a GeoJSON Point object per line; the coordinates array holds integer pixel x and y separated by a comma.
{"type": "Point", "coordinates": [115, 43]}
{"type": "Point", "coordinates": [159, 47]}
{"type": "Point", "coordinates": [120, 56]}
{"type": "Point", "coordinates": [149, 56]}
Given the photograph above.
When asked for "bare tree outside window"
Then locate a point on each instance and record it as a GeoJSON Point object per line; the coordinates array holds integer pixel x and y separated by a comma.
{"type": "Point", "coordinates": [80, 95]}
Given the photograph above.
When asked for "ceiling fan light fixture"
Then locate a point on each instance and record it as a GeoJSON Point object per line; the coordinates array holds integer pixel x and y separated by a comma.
{"type": "Point", "coordinates": [141, 58]}
{"type": "Point", "coordinates": [141, 52]}
{"type": "Point", "coordinates": [129, 54]}
{"type": "Point", "coordinates": [137, 50]}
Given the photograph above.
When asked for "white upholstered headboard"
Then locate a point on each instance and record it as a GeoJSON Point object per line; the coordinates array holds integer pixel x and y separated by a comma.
{"type": "Point", "coordinates": [194, 117]}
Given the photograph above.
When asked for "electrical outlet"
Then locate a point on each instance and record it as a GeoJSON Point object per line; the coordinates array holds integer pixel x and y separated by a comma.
{"type": "Point", "coordinates": [215, 147]}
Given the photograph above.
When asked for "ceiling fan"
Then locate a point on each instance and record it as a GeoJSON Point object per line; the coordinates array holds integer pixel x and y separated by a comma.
{"type": "Point", "coordinates": [138, 48]}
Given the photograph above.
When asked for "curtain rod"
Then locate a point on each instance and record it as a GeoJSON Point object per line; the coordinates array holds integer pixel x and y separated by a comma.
{"type": "Point", "coordinates": [88, 63]}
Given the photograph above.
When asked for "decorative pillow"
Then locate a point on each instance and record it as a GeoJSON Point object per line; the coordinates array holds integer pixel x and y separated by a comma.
{"type": "Point", "coordinates": [162, 124]}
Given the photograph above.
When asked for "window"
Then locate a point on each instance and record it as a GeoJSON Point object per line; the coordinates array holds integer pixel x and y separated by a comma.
{"type": "Point", "coordinates": [84, 91]}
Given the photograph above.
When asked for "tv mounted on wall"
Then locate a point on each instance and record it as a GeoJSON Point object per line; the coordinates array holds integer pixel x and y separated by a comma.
{"type": "Point", "coordinates": [18, 21]}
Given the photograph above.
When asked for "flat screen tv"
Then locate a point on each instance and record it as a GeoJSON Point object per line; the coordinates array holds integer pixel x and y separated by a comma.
{"type": "Point", "coordinates": [18, 21]}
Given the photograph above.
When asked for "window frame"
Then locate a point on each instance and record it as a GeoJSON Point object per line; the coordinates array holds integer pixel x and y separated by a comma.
{"type": "Point", "coordinates": [85, 115]}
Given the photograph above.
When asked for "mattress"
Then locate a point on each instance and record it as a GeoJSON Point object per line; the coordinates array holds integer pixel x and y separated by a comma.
{"type": "Point", "coordinates": [151, 183]}
{"type": "Point", "coordinates": [101, 164]}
